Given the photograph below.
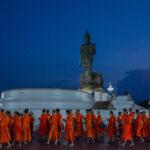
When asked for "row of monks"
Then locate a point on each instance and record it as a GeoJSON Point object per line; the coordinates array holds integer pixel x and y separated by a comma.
{"type": "Point", "coordinates": [17, 129]}
{"type": "Point", "coordinates": [126, 126]}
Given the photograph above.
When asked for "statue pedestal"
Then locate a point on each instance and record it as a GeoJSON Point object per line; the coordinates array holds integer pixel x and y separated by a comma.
{"type": "Point", "coordinates": [93, 81]}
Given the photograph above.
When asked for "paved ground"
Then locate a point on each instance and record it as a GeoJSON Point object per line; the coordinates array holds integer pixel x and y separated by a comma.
{"type": "Point", "coordinates": [36, 145]}
{"type": "Point", "coordinates": [101, 146]}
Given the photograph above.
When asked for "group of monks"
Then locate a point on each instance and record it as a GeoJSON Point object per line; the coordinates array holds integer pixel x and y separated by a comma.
{"type": "Point", "coordinates": [15, 128]}
{"type": "Point", "coordinates": [128, 125]}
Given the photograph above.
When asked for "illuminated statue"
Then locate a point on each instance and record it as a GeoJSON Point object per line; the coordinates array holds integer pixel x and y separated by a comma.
{"type": "Point", "coordinates": [87, 53]}
{"type": "Point", "coordinates": [89, 79]}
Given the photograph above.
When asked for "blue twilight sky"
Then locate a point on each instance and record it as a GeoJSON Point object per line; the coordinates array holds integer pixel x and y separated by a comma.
{"type": "Point", "coordinates": [40, 40]}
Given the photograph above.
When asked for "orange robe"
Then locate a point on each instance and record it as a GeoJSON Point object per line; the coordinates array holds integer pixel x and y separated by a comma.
{"type": "Point", "coordinates": [26, 128]}
{"type": "Point", "coordinates": [139, 124]}
{"type": "Point", "coordinates": [132, 115]}
{"type": "Point", "coordinates": [31, 124]}
{"type": "Point", "coordinates": [94, 124]}
{"type": "Point", "coordinates": [78, 125]}
{"type": "Point", "coordinates": [4, 131]}
{"type": "Point", "coordinates": [1, 117]}
{"type": "Point", "coordinates": [8, 125]}
{"type": "Point", "coordinates": [149, 126]}
{"type": "Point", "coordinates": [43, 125]}
{"type": "Point", "coordinates": [53, 133]}
{"type": "Point", "coordinates": [17, 125]}
{"type": "Point", "coordinates": [120, 126]}
{"type": "Point", "coordinates": [111, 129]}
{"type": "Point", "coordinates": [127, 128]}
{"type": "Point", "coordinates": [59, 119]}
{"type": "Point", "coordinates": [48, 116]}
{"type": "Point", "coordinates": [69, 128]}
{"type": "Point", "coordinates": [98, 123]}
{"type": "Point", "coordinates": [144, 130]}
{"type": "Point", "coordinates": [89, 128]}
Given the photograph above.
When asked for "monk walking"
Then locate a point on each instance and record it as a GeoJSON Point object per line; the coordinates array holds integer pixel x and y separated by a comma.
{"type": "Point", "coordinates": [26, 127]}
{"type": "Point", "coordinates": [4, 131]}
{"type": "Point", "coordinates": [43, 125]}
{"type": "Point", "coordinates": [17, 127]}
{"type": "Point", "coordinates": [78, 125]}
{"type": "Point", "coordinates": [31, 122]}
{"type": "Point", "coordinates": [59, 119]}
{"type": "Point", "coordinates": [99, 128]}
{"type": "Point", "coordinates": [145, 126]}
{"type": "Point", "coordinates": [127, 128]}
{"type": "Point", "coordinates": [69, 129]}
{"type": "Point", "coordinates": [89, 127]}
{"type": "Point", "coordinates": [139, 125]}
{"type": "Point", "coordinates": [47, 116]}
{"type": "Point", "coordinates": [111, 128]}
{"type": "Point", "coordinates": [120, 126]}
{"type": "Point", "coordinates": [53, 133]}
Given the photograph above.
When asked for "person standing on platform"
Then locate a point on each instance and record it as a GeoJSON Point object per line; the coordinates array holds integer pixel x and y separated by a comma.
{"type": "Point", "coordinates": [127, 128]}
{"type": "Point", "coordinates": [43, 126]}
{"type": "Point", "coordinates": [111, 128]}
{"type": "Point", "coordinates": [78, 125]}
{"type": "Point", "coordinates": [59, 119]}
{"type": "Point", "coordinates": [69, 129]}
{"type": "Point", "coordinates": [53, 133]}
{"type": "Point", "coordinates": [26, 127]}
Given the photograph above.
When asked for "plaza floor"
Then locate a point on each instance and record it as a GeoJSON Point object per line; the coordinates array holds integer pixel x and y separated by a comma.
{"type": "Point", "coordinates": [101, 145]}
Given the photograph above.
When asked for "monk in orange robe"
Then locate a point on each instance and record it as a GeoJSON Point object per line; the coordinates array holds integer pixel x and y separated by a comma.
{"type": "Point", "coordinates": [26, 127]}
{"type": "Point", "coordinates": [53, 133]}
{"type": "Point", "coordinates": [48, 116]}
{"type": "Point", "coordinates": [78, 125]}
{"type": "Point", "coordinates": [1, 117]}
{"type": "Point", "coordinates": [120, 126]}
{"type": "Point", "coordinates": [89, 127]}
{"type": "Point", "coordinates": [17, 125]}
{"type": "Point", "coordinates": [4, 131]}
{"type": "Point", "coordinates": [93, 122]}
{"type": "Point", "coordinates": [111, 128]}
{"type": "Point", "coordinates": [59, 119]}
{"type": "Point", "coordinates": [31, 122]}
{"type": "Point", "coordinates": [149, 125]}
{"type": "Point", "coordinates": [145, 125]}
{"type": "Point", "coordinates": [8, 123]}
{"type": "Point", "coordinates": [132, 115]}
{"type": "Point", "coordinates": [126, 128]}
{"type": "Point", "coordinates": [43, 125]}
{"type": "Point", "coordinates": [69, 129]}
{"type": "Point", "coordinates": [139, 125]}
{"type": "Point", "coordinates": [98, 128]}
